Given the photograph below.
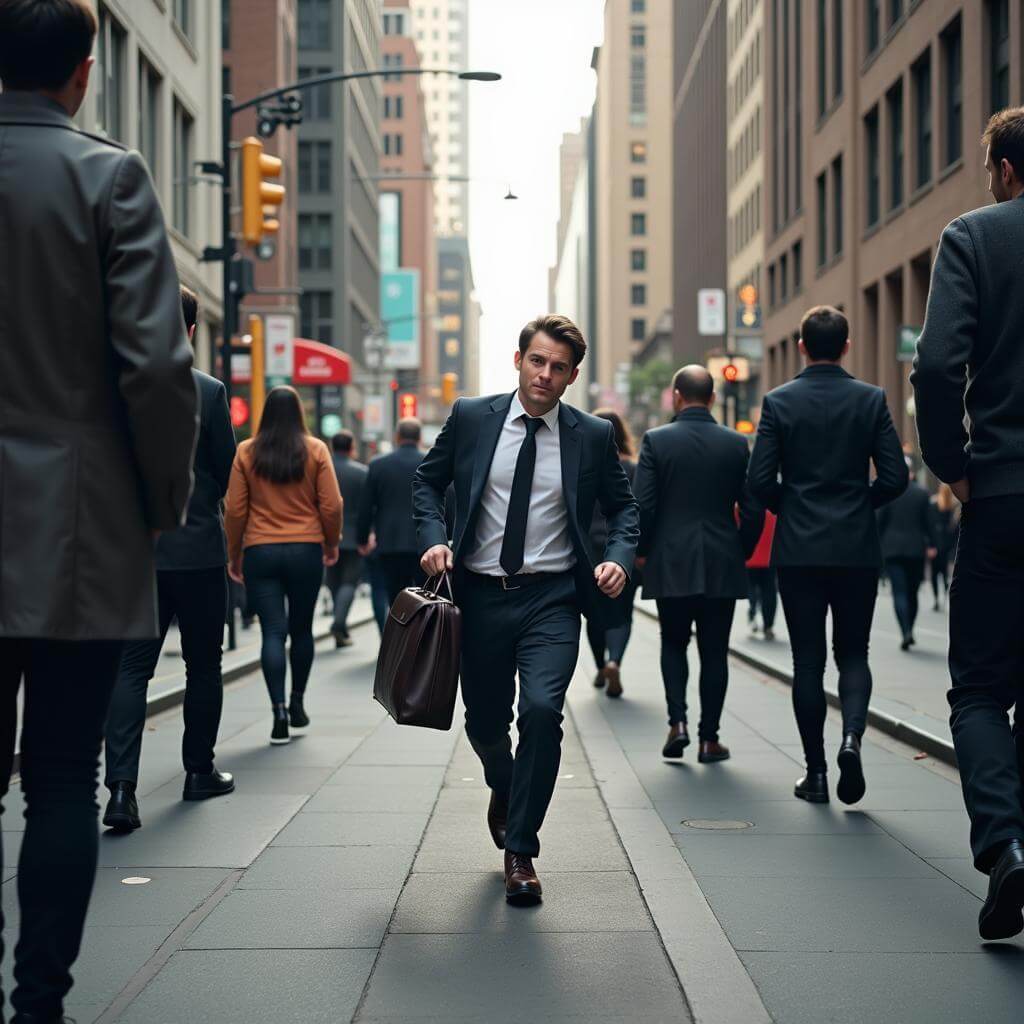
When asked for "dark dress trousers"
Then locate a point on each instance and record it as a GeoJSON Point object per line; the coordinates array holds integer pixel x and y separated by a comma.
{"type": "Point", "coordinates": [906, 529]}
{"type": "Point", "coordinates": [970, 356]}
{"type": "Point", "coordinates": [532, 629]}
{"type": "Point", "coordinates": [97, 423]}
{"type": "Point", "coordinates": [343, 577]}
{"type": "Point", "coordinates": [818, 437]}
{"type": "Point", "coordinates": [191, 588]}
{"type": "Point", "coordinates": [689, 481]}
{"type": "Point", "coordinates": [386, 510]}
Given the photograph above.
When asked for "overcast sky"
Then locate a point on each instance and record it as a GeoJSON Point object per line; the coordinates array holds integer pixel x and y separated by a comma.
{"type": "Point", "coordinates": [543, 50]}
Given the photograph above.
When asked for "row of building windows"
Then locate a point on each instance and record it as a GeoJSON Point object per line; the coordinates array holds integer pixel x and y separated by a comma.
{"type": "Point", "coordinates": [746, 149]}
{"type": "Point", "coordinates": [832, 178]}
{"type": "Point", "coordinates": [314, 20]}
{"type": "Point", "coordinates": [830, 44]}
{"type": "Point", "coordinates": [785, 276]}
{"type": "Point", "coordinates": [394, 106]}
{"type": "Point", "coordinates": [787, 109]}
{"type": "Point", "coordinates": [637, 75]}
{"type": "Point", "coordinates": [738, 24]}
{"type": "Point", "coordinates": [746, 77]}
{"type": "Point", "coordinates": [745, 223]}
{"type": "Point", "coordinates": [392, 143]}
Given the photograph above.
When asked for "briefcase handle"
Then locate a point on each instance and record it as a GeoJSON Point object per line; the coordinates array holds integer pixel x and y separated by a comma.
{"type": "Point", "coordinates": [443, 580]}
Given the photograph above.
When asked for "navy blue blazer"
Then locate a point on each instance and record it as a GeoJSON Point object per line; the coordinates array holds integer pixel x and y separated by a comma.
{"type": "Point", "coordinates": [591, 475]}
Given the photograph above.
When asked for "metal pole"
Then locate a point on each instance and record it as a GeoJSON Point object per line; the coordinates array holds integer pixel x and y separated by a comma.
{"type": "Point", "coordinates": [227, 243]}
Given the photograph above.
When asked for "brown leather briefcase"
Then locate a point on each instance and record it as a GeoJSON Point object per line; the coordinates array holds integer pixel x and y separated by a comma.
{"type": "Point", "coordinates": [418, 665]}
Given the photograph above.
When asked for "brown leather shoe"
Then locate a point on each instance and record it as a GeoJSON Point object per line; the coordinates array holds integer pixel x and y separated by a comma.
{"type": "Point", "coordinates": [712, 751]}
{"type": "Point", "coordinates": [611, 673]}
{"type": "Point", "coordinates": [599, 679]}
{"type": "Point", "coordinates": [678, 740]}
{"type": "Point", "coordinates": [522, 887]}
{"type": "Point", "coordinates": [497, 819]}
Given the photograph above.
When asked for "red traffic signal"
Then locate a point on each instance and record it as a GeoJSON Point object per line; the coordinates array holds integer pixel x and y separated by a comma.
{"type": "Point", "coordinates": [239, 411]}
{"type": "Point", "coordinates": [730, 373]}
{"type": "Point", "coordinates": [407, 406]}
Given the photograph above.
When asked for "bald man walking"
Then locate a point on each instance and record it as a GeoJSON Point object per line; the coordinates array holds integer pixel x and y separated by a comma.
{"type": "Point", "coordinates": [689, 482]}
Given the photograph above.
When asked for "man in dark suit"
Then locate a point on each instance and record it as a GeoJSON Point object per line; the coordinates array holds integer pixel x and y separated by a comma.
{"type": "Point", "coordinates": [821, 432]}
{"type": "Point", "coordinates": [690, 478]}
{"type": "Point", "coordinates": [528, 472]}
{"type": "Point", "coordinates": [343, 577]}
{"type": "Point", "coordinates": [97, 424]}
{"type": "Point", "coordinates": [970, 354]}
{"type": "Point", "coordinates": [191, 587]}
{"type": "Point", "coordinates": [906, 530]}
{"type": "Point", "coordinates": [386, 510]}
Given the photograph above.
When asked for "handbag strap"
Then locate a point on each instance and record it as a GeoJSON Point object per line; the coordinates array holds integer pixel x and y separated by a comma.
{"type": "Point", "coordinates": [434, 584]}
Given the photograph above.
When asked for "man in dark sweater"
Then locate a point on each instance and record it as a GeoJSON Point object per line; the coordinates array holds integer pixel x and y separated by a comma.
{"type": "Point", "coordinates": [970, 358]}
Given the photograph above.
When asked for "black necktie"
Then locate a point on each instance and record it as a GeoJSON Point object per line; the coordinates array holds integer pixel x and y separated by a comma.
{"type": "Point", "coordinates": [514, 542]}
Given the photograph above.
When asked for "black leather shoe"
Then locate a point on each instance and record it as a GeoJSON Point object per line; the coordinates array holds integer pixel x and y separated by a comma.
{"type": "Point", "coordinates": [201, 786]}
{"type": "Point", "coordinates": [851, 786]}
{"type": "Point", "coordinates": [122, 814]}
{"type": "Point", "coordinates": [298, 720]}
{"type": "Point", "coordinates": [522, 886]}
{"type": "Point", "coordinates": [678, 740]}
{"type": "Point", "coordinates": [1001, 917]}
{"type": "Point", "coordinates": [497, 819]}
{"type": "Point", "coordinates": [279, 733]}
{"type": "Point", "coordinates": [813, 787]}
{"type": "Point", "coordinates": [29, 1018]}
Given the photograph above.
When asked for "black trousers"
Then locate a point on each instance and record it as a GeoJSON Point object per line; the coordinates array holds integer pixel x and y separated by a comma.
{"type": "Point", "coordinates": [807, 595]}
{"type": "Point", "coordinates": [906, 576]}
{"type": "Point", "coordinates": [763, 595]}
{"type": "Point", "coordinates": [197, 599]}
{"type": "Point", "coordinates": [986, 662]}
{"type": "Point", "coordinates": [67, 688]}
{"type": "Point", "coordinates": [712, 617]}
{"type": "Point", "coordinates": [534, 631]}
{"type": "Point", "coordinates": [341, 579]}
{"type": "Point", "coordinates": [401, 569]}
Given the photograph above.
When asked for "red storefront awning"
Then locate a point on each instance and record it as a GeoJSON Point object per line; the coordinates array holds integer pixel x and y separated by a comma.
{"type": "Point", "coordinates": [316, 363]}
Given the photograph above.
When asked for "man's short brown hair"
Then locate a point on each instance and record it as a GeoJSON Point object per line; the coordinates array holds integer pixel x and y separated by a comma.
{"type": "Point", "coordinates": [189, 307]}
{"type": "Point", "coordinates": [43, 41]}
{"type": "Point", "coordinates": [558, 328]}
{"type": "Point", "coordinates": [1004, 135]}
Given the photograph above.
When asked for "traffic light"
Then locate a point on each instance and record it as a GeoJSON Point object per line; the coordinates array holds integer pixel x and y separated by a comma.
{"type": "Point", "coordinates": [730, 373]}
{"type": "Point", "coordinates": [449, 387]}
{"type": "Point", "coordinates": [259, 197]}
{"type": "Point", "coordinates": [407, 406]}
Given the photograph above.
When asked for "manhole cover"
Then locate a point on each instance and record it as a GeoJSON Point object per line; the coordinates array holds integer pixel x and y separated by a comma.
{"type": "Point", "coordinates": [723, 824]}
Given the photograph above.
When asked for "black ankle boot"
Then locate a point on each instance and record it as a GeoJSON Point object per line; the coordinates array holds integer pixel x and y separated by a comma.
{"type": "Point", "coordinates": [851, 785]}
{"type": "Point", "coordinates": [297, 717]}
{"type": "Point", "coordinates": [279, 734]}
{"type": "Point", "coordinates": [813, 787]}
{"type": "Point", "coordinates": [122, 814]}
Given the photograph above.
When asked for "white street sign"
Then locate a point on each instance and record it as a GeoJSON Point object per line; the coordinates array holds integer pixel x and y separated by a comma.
{"type": "Point", "coordinates": [279, 330]}
{"type": "Point", "coordinates": [711, 311]}
{"type": "Point", "coordinates": [373, 416]}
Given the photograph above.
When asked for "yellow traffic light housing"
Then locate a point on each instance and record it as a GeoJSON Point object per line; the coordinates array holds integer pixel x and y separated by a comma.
{"type": "Point", "coordinates": [258, 382]}
{"type": "Point", "coordinates": [449, 387]}
{"type": "Point", "coordinates": [259, 197]}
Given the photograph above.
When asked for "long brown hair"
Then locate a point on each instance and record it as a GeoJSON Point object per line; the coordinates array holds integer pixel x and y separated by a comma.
{"type": "Point", "coordinates": [623, 438]}
{"type": "Point", "coordinates": [279, 450]}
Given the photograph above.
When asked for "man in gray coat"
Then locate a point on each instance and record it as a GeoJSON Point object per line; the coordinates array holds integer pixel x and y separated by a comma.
{"type": "Point", "coordinates": [97, 426]}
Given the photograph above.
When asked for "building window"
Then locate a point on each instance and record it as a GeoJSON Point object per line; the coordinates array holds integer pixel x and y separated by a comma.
{"type": "Point", "coordinates": [952, 59]}
{"type": "Point", "coordinates": [315, 241]}
{"type": "Point", "coordinates": [638, 37]}
{"type": "Point", "coordinates": [394, 107]}
{"type": "Point", "coordinates": [314, 18]}
{"type": "Point", "coordinates": [999, 54]}
{"type": "Point", "coordinates": [871, 168]}
{"type": "Point", "coordinates": [316, 315]}
{"type": "Point", "coordinates": [798, 266]}
{"type": "Point", "coordinates": [873, 24]}
{"type": "Point", "coordinates": [638, 328]}
{"type": "Point", "coordinates": [183, 132]}
{"type": "Point", "coordinates": [638, 224]}
{"type": "Point", "coordinates": [394, 24]}
{"type": "Point", "coordinates": [638, 153]}
{"type": "Point", "coordinates": [783, 277]}
{"type": "Point", "coordinates": [637, 6]}
{"type": "Point", "coordinates": [183, 16]}
{"type": "Point", "coordinates": [894, 112]}
{"type": "Point", "coordinates": [111, 44]}
{"type": "Point", "coordinates": [637, 89]}
{"type": "Point", "coordinates": [837, 49]}
{"type": "Point", "coordinates": [149, 117]}
{"type": "Point", "coordinates": [837, 205]}
{"type": "Point", "coordinates": [638, 294]}
{"type": "Point", "coordinates": [392, 144]}
{"type": "Point", "coordinates": [771, 287]}
{"type": "Point", "coordinates": [225, 24]}
{"type": "Point", "coordinates": [638, 188]}
{"type": "Point", "coordinates": [922, 72]}
{"type": "Point", "coordinates": [316, 103]}
{"type": "Point", "coordinates": [638, 259]}
{"type": "Point", "coordinates": [314, 167]}
{"type": "Point", "coordinates": [821, 189]}
{"type": "Point", "coordinates": [822, 45]}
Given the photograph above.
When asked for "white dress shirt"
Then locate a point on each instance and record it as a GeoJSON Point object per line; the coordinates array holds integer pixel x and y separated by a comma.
{"type": "Point", "coordinates": [548, 546]}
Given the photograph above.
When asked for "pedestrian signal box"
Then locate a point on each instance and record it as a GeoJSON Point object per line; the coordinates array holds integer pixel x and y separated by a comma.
{"type": "Point", "coordinates": [259, 198]}
{"type": "Point", "coordinates": [730, 373]}
{"type": "Point", "coordinates": [407, 406]}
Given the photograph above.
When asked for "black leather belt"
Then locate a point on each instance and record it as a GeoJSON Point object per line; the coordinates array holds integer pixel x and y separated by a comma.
{"type": "Point", "coordinates": [524, 579]}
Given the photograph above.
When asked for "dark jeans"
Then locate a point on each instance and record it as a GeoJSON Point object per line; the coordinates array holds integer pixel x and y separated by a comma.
{"type": "Point", "coordinates": [712, 617]}
{"type": "Point", "coordinates": [807, 595]}
{"type": "Point", "coordinates": [986, 661]}
{"type": "Point", "coordinates": [939, 568]}
{"type": "Point", "coordinates": [378, 591]}
{"type": "Point", "coordinates": [342, 579]}
{"type": "Point", "coordinates": [401, 569]}
{"type": "Point", "coordinates": [763, 595]}
{"type": "Point", "coordinates": [282, 582]}
{"type": "Point", "coordinates": [534, 631]}
{"type": "Point", "coordinates": [610, 644]}
{"type": "Point", "coordinates": [906, 576]}
{"type": "Point", "coordinates": [197, 599]}
{"type": "Point", "coordinates": [67, 688]}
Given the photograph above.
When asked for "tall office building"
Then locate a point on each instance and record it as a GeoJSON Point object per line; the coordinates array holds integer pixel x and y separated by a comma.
{"type": "Point", "coordinates": [633, 196]}
{"type": "Point", "coordinates": [156, 87]}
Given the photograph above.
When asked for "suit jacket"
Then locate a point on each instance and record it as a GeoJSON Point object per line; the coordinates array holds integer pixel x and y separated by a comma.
{"type": "Point", "coordinates": [200, 543]}
{"type": "Point", "coordinates": [906, 527]}
{"type": "Point", "coordinates": [970, 354]}
{"type": "Point", "coordinates": [352, 483]}
{"type": "Point", "coordinates": [591, 475]}
{"type": "Point", "coordinates": [822, 431]}
{"type": "Point", "coordinates": [387, 501]}
{"type": "Point", "coordinates": [690, 478]}
{"type": "Point", "coordinates": [97, 401]}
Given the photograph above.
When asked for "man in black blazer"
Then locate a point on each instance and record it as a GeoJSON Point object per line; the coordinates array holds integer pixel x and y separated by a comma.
{"type": "Point", "coordinates": [192, 588]}
{"type": "Point", "coordinates": [689, 481]}
{"type": "Point", "coordinates": [906, 529]}
{"type": "Point", "coordinates": [970, 356]}
{"type": "Point", "coordinates": [528, 472]}
{"type": "Point", "coordinates": [386, 507]}
{"type": "Point", "coordinates": [343, 577]}
{"type": "Point", "coordinates": [821, 432]}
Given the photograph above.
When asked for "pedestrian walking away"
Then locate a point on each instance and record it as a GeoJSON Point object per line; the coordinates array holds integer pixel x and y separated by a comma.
{"type": "Point", "coordinates": [608, 645]}
{"type": "Point", "coordinates": [528, 471]}
{"type": "Point", "coordinates": [689, 482]}
{"type": "Point", "coordinates": [343, 577]}
{"type": "Point", "coordinates": [816, 441]}
{"type": "Point", "coordinates": [945, 510]}
{"type": "Point", "coordinates": [192, 588]}
{"type": "Point", "coordinates": [763, 594]}
{"type": "Point", "coordinates": [283, 520]}
{"type": "Point", "coordinates": [969, 357]}
{"type": "Point", "coordinates": [97, 426]}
